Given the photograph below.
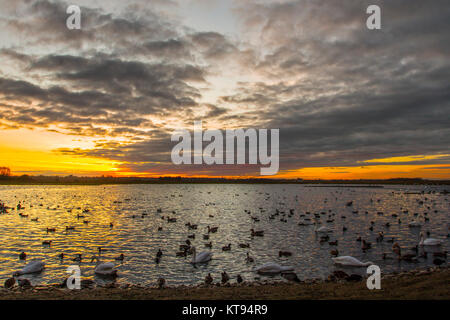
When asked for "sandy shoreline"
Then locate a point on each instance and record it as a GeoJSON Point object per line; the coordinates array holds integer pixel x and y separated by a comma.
{"type": "Point", "coordinates": [431, 283]}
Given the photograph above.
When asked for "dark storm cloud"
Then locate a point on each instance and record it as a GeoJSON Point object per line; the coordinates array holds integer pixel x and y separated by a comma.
{"type": "Point", "coordinates": [347, 93]}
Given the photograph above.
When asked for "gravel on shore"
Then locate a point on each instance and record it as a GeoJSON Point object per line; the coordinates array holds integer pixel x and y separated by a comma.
{"type": "Point", "coordinates": [431, 283]}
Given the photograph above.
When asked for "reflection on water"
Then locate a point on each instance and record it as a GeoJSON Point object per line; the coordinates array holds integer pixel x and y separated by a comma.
{"type": "Point", "coordinates": [137, 236]}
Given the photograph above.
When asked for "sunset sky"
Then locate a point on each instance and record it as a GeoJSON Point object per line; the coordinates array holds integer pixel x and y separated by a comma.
{"type": "Point", "coordinates": [104, 100]}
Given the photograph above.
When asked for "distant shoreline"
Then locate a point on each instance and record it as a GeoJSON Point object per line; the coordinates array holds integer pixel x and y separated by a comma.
{"type": "Point", "coordinates": [73, 180]}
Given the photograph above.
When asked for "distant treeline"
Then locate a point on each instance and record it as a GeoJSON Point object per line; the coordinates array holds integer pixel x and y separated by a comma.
{"type": "Point", "coordinates": [74, 180]}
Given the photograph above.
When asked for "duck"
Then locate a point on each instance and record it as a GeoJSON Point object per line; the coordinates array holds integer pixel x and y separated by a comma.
{"type": "Point", "coordinates": [259, 233]}
{"type": "Point", "coordinates": [366, 245]}
{"type": "Point", "coordinates": [272, 268]}
{"type": "Point", "coordinates": [22, 256]}
{"type": "Point", "coordinates": [239, 279]}
{"type": "Point", "coordinates": [429, 241]}
{"type": "Point", "coordinates": [208, 279]}
{"type": "Point", "coordinates": [104, 268]}
{"type": "Point", "coordinates": [249, 259]}
{"type": "Point", "coordinates": [202, 257]}
{"type": "Point", "coordinates": [47, 242]}
{"type": "Point", "coordinates": [227, 247]}
{"type": "Point", "coordinates": [284, 253]}
{"type": "Point", "coordinates": [291, 276]}
{"type": "Point", "coordinates": [121, 257]}
{"type": "Point", "coordinates": [161, 283]}
{"type": "Point", "coordinates": [78, 258]}
{"type": "Point", "coordinates": [244, 245]}
{"type": "Point", "coordinates": [208, 245]}
{"type": "Point", "coordinates": [34, 266]}
{"type": "Point", "coordinates": [212, 229]}
{"type": "Point", "coordinates": [350, 261]}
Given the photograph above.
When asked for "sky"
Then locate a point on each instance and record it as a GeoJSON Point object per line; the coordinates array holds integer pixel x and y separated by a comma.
{"type": "Point", "coordinates": [350, 103]}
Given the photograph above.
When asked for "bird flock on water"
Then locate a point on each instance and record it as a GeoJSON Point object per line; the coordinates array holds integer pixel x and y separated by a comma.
{"type": "Point", "coordinates": [323, 233]}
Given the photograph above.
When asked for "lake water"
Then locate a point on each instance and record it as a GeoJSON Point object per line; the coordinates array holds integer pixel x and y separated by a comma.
{"type": "Point", "coordinates": [222, 205]}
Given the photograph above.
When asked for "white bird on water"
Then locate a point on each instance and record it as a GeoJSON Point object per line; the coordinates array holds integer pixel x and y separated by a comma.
{"type": "Point", "coordinates": [104, 268]}
{"type": "Point", "coordinates": [350, 261]}
{"type": "Point", "coordinates": [429, 241]}
{"type": "Point", "coordinates": [34, 266]}
{"type": "Point", "coordinates": [272, 268]}
{"type": "Point", "coordinates": [202, 257]}
{"type": "Point", "coordinates": [322, 229]}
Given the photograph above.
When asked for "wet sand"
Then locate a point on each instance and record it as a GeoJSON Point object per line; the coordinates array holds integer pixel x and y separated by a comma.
{"type": "Point", "coordinates": [433, 283]}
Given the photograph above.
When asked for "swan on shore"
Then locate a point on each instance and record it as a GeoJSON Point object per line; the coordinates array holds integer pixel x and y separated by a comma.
{"type": "Point", "coordinates": [429, 241]}
{"type": "Point", "coordinates": [202, 257]}
{"type": "Point", "coordinates": [272, 268]}
{"type": "Point", "coordinates": [104, 268]}
{"type": "Point", "coordinates": [34, 266]}
{"type": "Point", "coordinates": [350, 261]}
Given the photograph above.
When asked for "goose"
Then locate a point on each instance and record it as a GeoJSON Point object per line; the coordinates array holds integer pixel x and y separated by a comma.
{"type": "Point", "coordinates": [350, 261]}
{"type": "Point", "coordinates": [104, 268]}
{"type": "Point", "coordinates": [429, 241]}
{"type": "Point", "coordinates": [272, 268]}
{"type": "Point", "coordinates": [34, 266]}
{"type": "Point", "coordinates": [202, 257]}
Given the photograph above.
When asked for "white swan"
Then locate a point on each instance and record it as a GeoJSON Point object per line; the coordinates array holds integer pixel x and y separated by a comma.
{"type": "Point", "coordinates": [34, 266]}
{"type": "Point", "coordinates": [429, 241]}
{"type": "Point", "coordinates": [272, 268]}
{"type": "Point", "coordinates": [202, 257]}
{"type": "Point", "coordinates": [322, 229]}
{"type": "Point", "coordinates": [350, 261]}
{"type": "Point", "coordinates": [104, 268]}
